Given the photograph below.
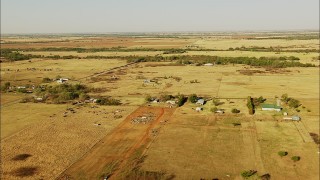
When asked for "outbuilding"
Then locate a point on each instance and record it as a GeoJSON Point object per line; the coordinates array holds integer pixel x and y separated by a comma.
{"type": "Point", "coordinates": [270, 107]}
{"type": "Point", "coordinates": [200, 102]}
{"type": "Point", "coordinates": [296, 118]}
{"type": "Point", "coordinates": [198, 109]}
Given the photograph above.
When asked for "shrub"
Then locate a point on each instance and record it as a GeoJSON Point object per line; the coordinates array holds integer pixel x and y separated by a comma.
{"type": "Point", "coordinates": [193, 98]}
{"type": "Point", "coordinates": [21, 157]}
{"type": "Point", "coordinates": [295, 158]}
{"type": "Point", "coordinates": [108, 101]}
{"type": "Point", "coordinates": [285, 98]}
{"type": "Point", "coordinates": [216, 102]}
{"type": "Point", "coordinates": [5, 86]}
{"type": "Point", "coordinates": [214, 109]}
{"type": "Point", "coordinates": [235, 111]}
{"type": "Point", "coordinates": [194, 81]}
{"type": "Point", "coordinates": [249, 173]}
{"type": "Point", "coordinates": [293, 103]}
{"type": "Point", "coordinates": [46, 80]}
{"type": "Point", "coordinates": [265, 177]}
{"type": "Point", "coordinates": [148, 98]}
{"type": "Point", "coordinates": [282, 153]}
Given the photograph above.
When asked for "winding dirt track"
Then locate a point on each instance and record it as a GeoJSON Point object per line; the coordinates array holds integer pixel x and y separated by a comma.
{"type": "Point", "coordinates": [117, 147]}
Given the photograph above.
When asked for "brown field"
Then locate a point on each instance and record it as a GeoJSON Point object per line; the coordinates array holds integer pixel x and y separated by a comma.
{"type": "Point", "coordinates": [38, 142]}
{"type": "Point", "coordinates": [99, 42]}
{"type": "Point", "coordinates": [53, 141]}
{"type": "Point", "coordinates": [118, 146]}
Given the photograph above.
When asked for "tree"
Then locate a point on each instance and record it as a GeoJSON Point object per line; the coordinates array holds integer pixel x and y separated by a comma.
{"type": "Point", "coordinates": [6, 86]}
{"type": "Point", "coordinates": [216, 102]}
{"type": "Point", "coordinates": [181, 100]}
{"type": "Point", "coordinates": [284, 98]}
{"type": "Point", "coordinates": [295, 158]}
{"type": "Point", "coordinates": [282, 153]}
{"type": "Point", "coordinates": [293, 103]}
{"type": "Point", "coordinates": [193, 98]}
{"type": "Point", "coordinates": [148, 98]}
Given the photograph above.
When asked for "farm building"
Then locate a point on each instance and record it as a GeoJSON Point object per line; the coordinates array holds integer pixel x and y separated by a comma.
{"type": "Point", "coordinates": [198, 109]}
{"type": "Point", "coordinates": [200, 102]}
{"type": "Point", "coordinates": [220, 111]}
{"type": "Point", "coordinates": [208, 64]}
{"type": "Point", "coordinates": [62, 80]}
{"type": "Point", "coordinates": [270, 107]}
{"type": "Point", "coordinates": [171, 102]}
{"type": "Point", "coordinates": [294, 118]}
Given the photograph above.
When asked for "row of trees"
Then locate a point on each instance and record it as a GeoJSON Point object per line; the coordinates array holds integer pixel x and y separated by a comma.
{"type": "Point", "coordinates": [16, 56]}
{"type": "Point", "coordinates": [291, 102]}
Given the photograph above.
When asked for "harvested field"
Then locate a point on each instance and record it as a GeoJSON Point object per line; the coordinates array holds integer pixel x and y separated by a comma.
{"type": "Point", "coordinates": [47, 147]}
{"type": "Point", "coordinates": [118, 146]}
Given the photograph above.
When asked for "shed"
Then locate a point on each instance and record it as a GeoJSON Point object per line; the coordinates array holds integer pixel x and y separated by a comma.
{"type": "Point", "coordinates": [270, 107]}
{"type": "Point", "coordinates": [208, 64]}
{"type": "Point", "coordinates": [198, 109]}
{"type": "Point", "coordinates": [285, 114]}
{"type": "Point", "coordinates": [200, 102]}
{"type": "Point", "coordinates": [171, 102]}
{"type": "Point", "coordinates": [296, 118]}
{"type": "Point", "coordinates": [221, 111]}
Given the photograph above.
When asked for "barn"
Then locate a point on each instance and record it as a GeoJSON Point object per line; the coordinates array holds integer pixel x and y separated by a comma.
{"type": "Point", "coordinates": [270, 107]}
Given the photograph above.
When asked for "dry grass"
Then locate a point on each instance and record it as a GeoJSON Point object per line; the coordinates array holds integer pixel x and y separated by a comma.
{"type": "Point", "coordinates": [39, 143]}
{"type": "Point", "coordinates": [56, 142]}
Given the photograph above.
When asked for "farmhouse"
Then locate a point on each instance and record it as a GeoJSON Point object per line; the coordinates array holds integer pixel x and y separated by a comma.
{"type": "Point", "coordinates": [200, 102]}
{"type": "Point", "coordinates": [270, 107]}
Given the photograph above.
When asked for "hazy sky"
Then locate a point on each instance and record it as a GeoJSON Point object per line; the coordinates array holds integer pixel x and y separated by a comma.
{"type": "Point", "coordinates": [81, 16]}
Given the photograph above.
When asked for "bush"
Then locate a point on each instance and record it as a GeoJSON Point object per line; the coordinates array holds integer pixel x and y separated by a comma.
{"type": "Point", "coordinates": [148, 98]}
{"type": "Point", "coordinates": [249, 173]}
{"type": "Point", "coordinates": [46, 80]}
{"type": "Point", "coordinates": [293, 103]}
{"type": "Point", "coordinates": [235, 111]}
{"type": "Point", "coordinates": [5, 86]}
{"type": "Point", "coordinates": [108, 101]}
{"type": "Point", "coordinates": [214, 109]}
{"type": "Point", "coordinates": [193, 98]}
{"type": "Point", "coordinates": [216, 102]}
{"type": "Point", "coordinates": [265, 177]}
{"type": "Point", "coordinates": [282, 153]}
{"type": "Point", "coordinates": [295, 158]}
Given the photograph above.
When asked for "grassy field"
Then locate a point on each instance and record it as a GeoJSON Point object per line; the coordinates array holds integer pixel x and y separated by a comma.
{"type": "Point", "coordinates": [50, 141]}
